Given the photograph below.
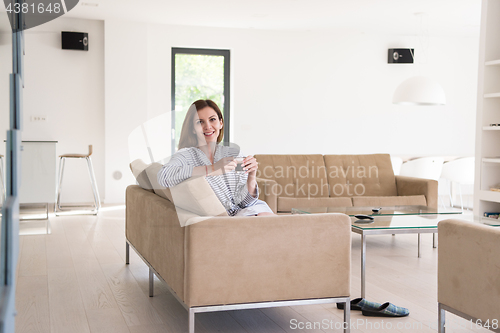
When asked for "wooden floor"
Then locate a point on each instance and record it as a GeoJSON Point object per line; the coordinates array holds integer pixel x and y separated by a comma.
{"type": "Point", "coordinates": [75, 280]}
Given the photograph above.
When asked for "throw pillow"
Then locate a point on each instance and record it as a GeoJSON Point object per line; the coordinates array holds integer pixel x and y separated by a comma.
{"type": "Point", "coordinates": [194, 195]}
{"type": "Point", "coordinates": [138, 168]}
{"type": "Point", "coordinates": [197, 196]}
{"type": "Point", "coordinates": [162, 191]}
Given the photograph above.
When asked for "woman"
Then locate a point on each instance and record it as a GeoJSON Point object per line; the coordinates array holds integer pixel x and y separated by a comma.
{"type": "Point", "coordinates": [200, 155]}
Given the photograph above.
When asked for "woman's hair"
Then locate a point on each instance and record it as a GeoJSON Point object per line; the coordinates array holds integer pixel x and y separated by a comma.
{"type": "Point", "coordinates": [188, 137]}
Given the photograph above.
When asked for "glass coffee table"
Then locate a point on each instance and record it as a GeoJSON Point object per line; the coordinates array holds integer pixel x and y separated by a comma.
{"type": "Point", "coordinates": [389, 220]}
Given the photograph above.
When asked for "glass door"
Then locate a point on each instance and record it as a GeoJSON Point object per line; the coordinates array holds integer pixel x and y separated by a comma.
{"type": "Point", "coordinates": [198, 74]}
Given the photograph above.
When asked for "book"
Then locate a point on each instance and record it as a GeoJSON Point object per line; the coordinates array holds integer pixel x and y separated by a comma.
{"type": "Point", "coordinates": [491, 215]}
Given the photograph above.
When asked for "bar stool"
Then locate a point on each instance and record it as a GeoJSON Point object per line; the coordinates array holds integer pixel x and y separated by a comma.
{"type": "Point", "coordinates": [97, 201]}
{"type": "Point", "coordinates": [4, 194]}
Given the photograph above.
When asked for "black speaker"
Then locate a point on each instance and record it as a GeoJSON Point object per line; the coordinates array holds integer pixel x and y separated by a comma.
{"type": "Point", "coordinates": [75, 40]}
{"type": "Point", "coordinates": [400, 56]}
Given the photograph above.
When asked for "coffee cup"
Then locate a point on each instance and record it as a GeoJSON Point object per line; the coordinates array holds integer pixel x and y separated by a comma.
{"type": "Point", "coordinates": [239, 163]}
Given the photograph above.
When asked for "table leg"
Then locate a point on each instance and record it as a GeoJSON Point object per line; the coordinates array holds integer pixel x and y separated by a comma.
{"type": "Point", "coordinates": [434, 240]}
{"type": "Point", "coordinates": [363, 264]}
{"type": "Point", "coordinates": [419, 245]}
{"type": "Point", "coordinates": [151, 282]}
{"type": "Point", "coordinates": [127, 253]}
{"type": "Point", "coordinates": [441, 319]}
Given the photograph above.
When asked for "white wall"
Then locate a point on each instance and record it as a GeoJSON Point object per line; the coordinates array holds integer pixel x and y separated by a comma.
{"type": "Point", "coordinates": [296, 92]}
{"type": "Point", "coordinates": [126, 99]}
{"type": "Point", "coordinates": [67, 87]}
{"type": "Point", "coordinates": [309, 92]}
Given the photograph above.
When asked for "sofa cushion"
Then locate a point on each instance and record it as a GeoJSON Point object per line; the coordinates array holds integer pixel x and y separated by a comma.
{"type": "Point", "coordinates": [138, 168]}
{"type": "Point", "coordinates": [360, 175]}
{"type": "Point", "coordinates": [193, 195]}
{"type": "Point", "coordinates": [298, 176]}
{"type": "Point", "coordinates": [187, 218]}
{"type": "Point", "coordinates": [409, 200]}
{"type": "Point", "coordinates": [285, 205]}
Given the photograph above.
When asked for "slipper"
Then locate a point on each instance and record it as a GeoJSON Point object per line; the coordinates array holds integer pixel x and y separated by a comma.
{"type": "Point", "coordinates": [386, 310]}
{"type": "Point", "coordinates": [360, 304]}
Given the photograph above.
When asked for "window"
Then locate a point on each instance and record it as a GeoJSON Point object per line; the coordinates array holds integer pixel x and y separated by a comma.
{"type": "Point", "coordinates": [198, 74]}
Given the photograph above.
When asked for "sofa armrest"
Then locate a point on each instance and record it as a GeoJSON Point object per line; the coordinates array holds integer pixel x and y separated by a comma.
{"type": "Point", "coordinates": [416, 186]}
{"type": "Point", "coordinates": [469, 268]}
{"type": "Point", "coordinates": [232, 260]}
{"type": "Point", "coordinates": [268, 190]}
{"type": "Point", "coordinates": [153, 229]}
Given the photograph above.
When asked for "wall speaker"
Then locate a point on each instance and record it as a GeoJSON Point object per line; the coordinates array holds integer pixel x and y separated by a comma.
{"type": "Point", "coordinates": [75, 40]}
{"type": "Point", "coordinates": [400, 56]}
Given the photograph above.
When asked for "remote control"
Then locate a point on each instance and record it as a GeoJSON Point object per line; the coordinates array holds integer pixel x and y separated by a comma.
{"type": "Point", "coordinates": [364, 221]}
{"type": "Point", "coordinates": [376, 210]}
{"type": "Point", "coordinates": [364, 217]}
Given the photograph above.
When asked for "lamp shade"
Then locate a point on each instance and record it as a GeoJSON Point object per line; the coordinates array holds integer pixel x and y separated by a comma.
{"type": "Point", "coordinates": [419, 90]}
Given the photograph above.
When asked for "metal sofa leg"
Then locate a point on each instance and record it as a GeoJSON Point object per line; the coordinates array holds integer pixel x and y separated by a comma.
{"type": "Point", "coordinates": [151, 282]}
{"type": "Point", "coordinates": [191, 320]}
{"type": "Point", "coordinates": [127, 253]}
{"type": "Point", "coordinates": [347, 316]}
{"type": "Point", "coordinates": [441, 319]}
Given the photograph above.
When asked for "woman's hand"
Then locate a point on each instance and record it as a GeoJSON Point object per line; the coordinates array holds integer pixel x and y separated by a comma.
{"type": "Point", "coordinates": [224, 165]}
{"type": "Point", "coordinates": [250, 166]}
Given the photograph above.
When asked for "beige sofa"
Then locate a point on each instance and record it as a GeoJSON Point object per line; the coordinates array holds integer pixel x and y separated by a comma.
{"type": "Point", "coordinates": [224, 263]}
{"type": "Point", "coordinates": [229, 263]}
{"type": "Point", "coordinates": [469, 273]}
{"type": "Point", "coordinates": [295, 181]}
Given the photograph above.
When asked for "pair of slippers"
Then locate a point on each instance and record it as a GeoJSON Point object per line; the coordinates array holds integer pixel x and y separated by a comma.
{"type": "Point", "coordinates": [375, 309]}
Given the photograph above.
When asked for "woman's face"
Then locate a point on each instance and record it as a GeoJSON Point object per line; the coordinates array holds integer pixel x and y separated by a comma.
{"type": "Point", "coordinates": [207, 126]}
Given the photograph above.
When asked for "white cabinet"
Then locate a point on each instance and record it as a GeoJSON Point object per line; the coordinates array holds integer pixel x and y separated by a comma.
{"type": "Point", "coordinates": [488, 112]}
{"type": "Point", "coordinates": [38, 172]}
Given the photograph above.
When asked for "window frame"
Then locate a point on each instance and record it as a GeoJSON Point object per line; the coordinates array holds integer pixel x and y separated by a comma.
{"type": "Point", "coordinates": [226, 113]}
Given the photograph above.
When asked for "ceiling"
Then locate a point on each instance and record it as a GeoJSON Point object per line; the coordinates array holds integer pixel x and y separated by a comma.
{"type": "Point", "coordinates": [440, 17]}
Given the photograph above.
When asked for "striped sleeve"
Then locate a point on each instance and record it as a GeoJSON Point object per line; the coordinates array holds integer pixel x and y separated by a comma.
{"type": "Point", "coordinates": [248, 199]}
{"type": "Point", "coordinates": [176, 170]}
